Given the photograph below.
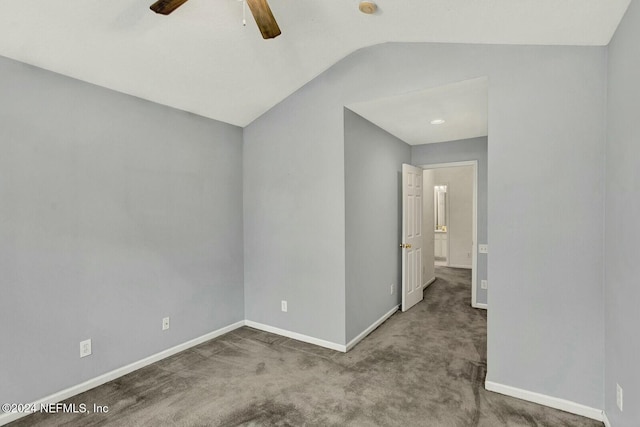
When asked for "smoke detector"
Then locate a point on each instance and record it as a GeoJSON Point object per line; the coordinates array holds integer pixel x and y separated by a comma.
{"type": "Point", "coordinates": [367, 7]}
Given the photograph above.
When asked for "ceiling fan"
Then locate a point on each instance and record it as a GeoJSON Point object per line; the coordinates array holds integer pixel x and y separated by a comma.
{"type": "Point", "coordinates": [259, 8]}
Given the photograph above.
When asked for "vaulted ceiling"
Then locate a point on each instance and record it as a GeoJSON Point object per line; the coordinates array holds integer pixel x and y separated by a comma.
{"type": "Point", "coordinates": [201, 59]}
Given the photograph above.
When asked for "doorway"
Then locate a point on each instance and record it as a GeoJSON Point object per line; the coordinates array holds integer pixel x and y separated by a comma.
{"type": "Point", "coordinates": [449, 230]}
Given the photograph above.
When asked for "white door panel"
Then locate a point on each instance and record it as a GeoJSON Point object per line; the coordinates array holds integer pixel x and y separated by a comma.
{"type": "Point", "coordinates": [412, 237]}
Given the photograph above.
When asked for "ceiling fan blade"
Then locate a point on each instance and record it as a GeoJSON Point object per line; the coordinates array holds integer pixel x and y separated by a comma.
{"type": "Point", "coordinates": [165, 7]}
{"type": "Point", "coordinates": [264, 18]}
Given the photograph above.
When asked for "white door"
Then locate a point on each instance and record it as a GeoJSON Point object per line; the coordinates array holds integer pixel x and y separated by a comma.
{"type": "Point", "coordinates": [411, 236]}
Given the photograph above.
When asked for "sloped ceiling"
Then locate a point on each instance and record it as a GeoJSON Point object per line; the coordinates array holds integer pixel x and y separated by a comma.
{"type": "Point", "coordinates": [201, 59]}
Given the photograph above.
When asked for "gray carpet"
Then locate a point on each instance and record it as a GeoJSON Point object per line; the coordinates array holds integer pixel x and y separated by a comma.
{"type": "Point", "coordinates": [425, 367]}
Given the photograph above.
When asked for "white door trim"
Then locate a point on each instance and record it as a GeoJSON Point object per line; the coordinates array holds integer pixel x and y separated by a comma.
{"type": "Point", "coordinates": [474, 231]}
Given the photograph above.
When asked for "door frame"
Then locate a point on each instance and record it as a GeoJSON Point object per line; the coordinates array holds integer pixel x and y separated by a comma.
{"type": "Point", "coordinates": [474, 227]}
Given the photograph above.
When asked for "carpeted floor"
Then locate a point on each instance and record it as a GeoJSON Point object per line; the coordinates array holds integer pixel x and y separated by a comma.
{"type": "Point", "coordinates": [425, 367]}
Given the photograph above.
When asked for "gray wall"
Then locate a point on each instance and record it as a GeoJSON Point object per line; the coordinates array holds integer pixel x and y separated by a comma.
{"type": "Point", "coordinates": [114, 213]}
{"type": "Point", "coordinates": [294, 241]}
{"type": "Point", "coordinates": [373, 161]}
{"type": "Point", "coordinates": [622, 270]}
{"type": "Point", "coordinates": [546, 311]}
{"type": "Point", "coordinates": [456, 151]}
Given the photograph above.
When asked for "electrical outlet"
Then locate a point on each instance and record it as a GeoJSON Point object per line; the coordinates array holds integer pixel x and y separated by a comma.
{"type": "Point", "coordinates": [165, 323]}
{"type": "Point", "coordinates": [483, 249]}
{"type": "Point", "coordinates": [85, 348]}
{"type": "Point", "coordinates": [391, 289]}
{"type": "Point", "coordinates": [619, 396]}
{"type": "Point", "coordinates": [283, 305]}
{"type": "Point", "coordinates": [484, 284]}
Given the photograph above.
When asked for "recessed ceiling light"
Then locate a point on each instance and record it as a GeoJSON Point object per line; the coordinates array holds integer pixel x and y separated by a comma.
{"type": "Point", "coordinates": [367, 7]}
{"type": "Point", "coordinates": [437, 121]}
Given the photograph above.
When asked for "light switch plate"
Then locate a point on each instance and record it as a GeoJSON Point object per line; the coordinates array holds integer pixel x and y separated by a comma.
{"type": "Point", "coordinates": [619, 396]}
{"type": "Point", "coordinates": [483, 249]}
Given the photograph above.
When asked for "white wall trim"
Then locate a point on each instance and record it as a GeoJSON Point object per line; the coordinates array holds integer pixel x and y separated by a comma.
{"type": "Point", "coordinates": [480, 305]}
{"type": "Point", "coordinates": [605, 420]}
{"type": "Point", "coordinates": [433, 279]}
{"type": "Point", "coordinates": [117, 373]}
{"type": "Point", "coordinates": [375, 324]}
{"type": "Point", "coordinates": [296, 336]}
{"type": "Point", "coordinates": [542, 399]}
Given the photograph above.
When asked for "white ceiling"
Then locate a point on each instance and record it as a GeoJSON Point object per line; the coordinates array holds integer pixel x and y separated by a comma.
{"type": "Point", "coordinates": [201, 59]}
{"type": "Point", "coordinates": [463, 106]}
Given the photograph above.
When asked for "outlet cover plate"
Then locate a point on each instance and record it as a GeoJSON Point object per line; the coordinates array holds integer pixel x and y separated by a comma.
{"type": "Point", "coordinates": [484, 284]}
{"type": "Point", "coordinates": [483, 249]}
{"type": "Point", "coordinates": [85, 348]}
{"type": "Point", "coordinates": [165, 323]}
{"type": "Point", "coordinates": [283, 306]}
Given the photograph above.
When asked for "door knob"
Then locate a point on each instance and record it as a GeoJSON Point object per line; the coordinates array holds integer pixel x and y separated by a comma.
{"type": "Point", "coordinates": [405, 246]}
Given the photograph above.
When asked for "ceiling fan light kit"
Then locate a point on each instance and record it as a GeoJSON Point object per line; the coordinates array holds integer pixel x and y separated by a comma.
{"type": "Point", "coordinates": [367, 7]}
{"type": "Point", "coordinates": [259, 8]}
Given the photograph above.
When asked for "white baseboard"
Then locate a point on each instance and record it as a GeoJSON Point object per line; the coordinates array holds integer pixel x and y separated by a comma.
{"type": "Point", "coordinates": [296, 336]}
{"type": "Point", "coordinates": [117, 373]}
{"type": "Point", "coordinates": [605, 420]}
{"type": "Point", "coordinates": [375, 324]}
{"type": "Point", "coordinates": [466, 267]}
{"type": "Point", "coordinates": [429, 282]}
{"type": "Point", "coordinates": [480, 305]}
{"type": "Point", "coordinates": [542, 399]}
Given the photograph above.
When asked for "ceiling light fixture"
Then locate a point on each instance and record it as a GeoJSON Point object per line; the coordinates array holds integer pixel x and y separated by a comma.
{"type": "Point", "coordinates": [367, 7]}
{"type": "Point", "coordinates": [437, 121]}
